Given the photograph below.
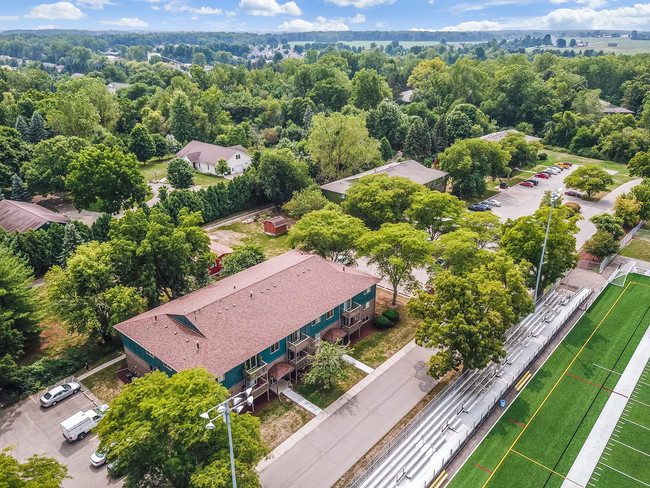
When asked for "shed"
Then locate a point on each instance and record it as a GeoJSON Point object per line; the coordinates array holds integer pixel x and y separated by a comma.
{"type": "Point", "coordinates": [275, 226]}
{"type": "Point", "coordinates": [220, 251]}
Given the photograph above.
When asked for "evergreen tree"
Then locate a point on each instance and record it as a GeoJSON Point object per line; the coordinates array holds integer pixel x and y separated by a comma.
{"type": "Point", "coordinates": [440, 138]}
{"type": "Point", "coordinates": [22, 127]}
{"type": "Point", "coordinates": [306, 120]}
{"type": "Point", "coordinates": [19, 190]}
{"type": "Point", "coordinates": [37, 131]}
{"type": "Point", "coordinates": [141, 144]}
{"type": "Point", "coordinates": [71, 240]}
{"type": "Point", "coordinates": [101, 227]}
{"type": "Point", "coordinates": [418, 140]}
{"type": "Point", "coordinates": [162, 193]}
{"type": "Point", "coordinates": [385, 149]}
{"type": "Point", "coordinates": [2, 195]}
{"type": "Point", "coordinates": [182, 123]}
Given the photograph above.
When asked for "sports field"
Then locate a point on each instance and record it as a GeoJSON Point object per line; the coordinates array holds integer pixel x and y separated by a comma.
{"type": "Point", "coordinates": [537, 439]}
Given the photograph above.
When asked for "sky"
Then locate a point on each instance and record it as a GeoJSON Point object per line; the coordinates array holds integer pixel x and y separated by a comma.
{"type": "Point", "coordinates": [323, 15]}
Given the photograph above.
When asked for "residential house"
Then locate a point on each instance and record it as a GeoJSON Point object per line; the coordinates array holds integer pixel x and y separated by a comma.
{"type": "Point", "coordinates": [114, 86]}
{"type": "Point", "coordinates": [610, 109]}
{"type": "Point", "coordinates": [22, 216]}
{"type": "Point", "coordinates": [255, 328]}
{"type": "Point", "coordinates": [205, 157]}
{"type": "Point", "coordinates": [431, 178]}
{"type": "Point", "coordinates": [497, 136]}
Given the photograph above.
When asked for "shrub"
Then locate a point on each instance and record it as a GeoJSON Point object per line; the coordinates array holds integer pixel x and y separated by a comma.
{"type": "Point", "coordinates": [382, 322]}
{"type": "Point", "coordinates": [573, 206]}
{"type": "Point", "coordinates": [542, 156]}
{"type": "Point", "coordinates": [391, 314]}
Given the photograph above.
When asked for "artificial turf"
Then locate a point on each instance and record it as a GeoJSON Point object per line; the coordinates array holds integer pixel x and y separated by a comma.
{"type": "Point", "coordinates": [560, 405]}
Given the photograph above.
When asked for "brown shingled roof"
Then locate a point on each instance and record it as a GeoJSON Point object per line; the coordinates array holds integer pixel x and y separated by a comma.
{"type": "Point", "coordinates": [244, 314]}
{"type": "Point", "coordinates": [208, 153]}
{"type": "Point", "coordinates": [22, 216]}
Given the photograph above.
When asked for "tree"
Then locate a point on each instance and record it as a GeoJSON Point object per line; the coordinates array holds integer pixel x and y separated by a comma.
{"type": "Point", "coordinates": [141, 144]}
{"type": "Point", "coordinates": [105, 175]}
{"type": "Point", "coordinates": [639, 165]}
{"type": "Point", "coordinates": [328, 367]}
{"type": "Point", "coordinates": [304, 201]}
{"type": "Point", "coordinates": [523, 239]}
{"type": "Point", "coordinates": [486, 225]}
{"type": "Point", "coordinates": [19, 190]}
{"type": "Point", "coordinates": [435, 212]}
{"type": "Point", "coordinates": [378, 198]}
{"type": "Point", "coordinates": [546, 199]}
{"type": "Point", "coordinates": [86, 295]}
{"type": "Point", "coordinates": [148, 434]}
{"type": "Point", "coordinates": [459, 250]}
{"type": "Point", "coordinates": [19, 304]}
{"type": "Point", "coordinates": [340, 145]}
{"type": "Point", "coordinates": [610, 224]}
{"type": "Point", "coordinates": [418, 140]}
{"type": "Point", "coordinates": [522, 153]}
{"type": "Point", "coordinates": [13, 152]}
{"type": "Point", "coordinates": [329, 233]}
{"type": "Point", "coordinates": [38, 470]}
{"type": "Point", "coordinates": [388, 121]}
{"type": "Point", "coordinates": [241, 258]}
{"type": "Point", "coordinates": [71, 240]}
{"type": "Point", "coordinates": [37, 131]}
{"type": "Point", "coordinates": [589, 178]}
{"type": "Point", "coordinates": [101, 227]}
{"type": "Point", "coordinates": [469, 161]}
{"type": "Point", "coordinates": [22, 127]}
{"type": "Point", "coordinates": [280, 174]}
{"type": "Point", "coordinates": [180, 174]}
{"type": "Point", "coordinates": [47, 170]}
{"type": "Point", "coordinates": [467, 316]}
{"type": "Point", "coordinates": [368, 89]}
{"type": "Point", "coordinates": [222, 167]}
{"type": "Point", "coordinates": [396, 249]}
{"type": "Point", "coordinates": [601, 245]}
{"type": "Point", "coordinates": [627, 210]}
{"type": "Point", "coordinates": [385, 150]}
{"type": "Point", "coordinates": [642, 194]}
{"type": "Point", "coordinates": [181, 123]}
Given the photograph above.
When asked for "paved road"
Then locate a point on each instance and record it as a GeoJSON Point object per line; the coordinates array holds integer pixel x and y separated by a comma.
{"type": "Point", "coordinates": [326, 453]}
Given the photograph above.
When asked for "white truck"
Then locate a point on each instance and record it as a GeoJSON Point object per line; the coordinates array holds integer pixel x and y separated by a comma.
{"type": "Point", "coordinates": [77, 426]}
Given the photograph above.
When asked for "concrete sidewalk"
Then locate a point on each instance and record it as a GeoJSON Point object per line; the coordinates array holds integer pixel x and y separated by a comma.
{"type": "Point", "coordinates": [323, 450]}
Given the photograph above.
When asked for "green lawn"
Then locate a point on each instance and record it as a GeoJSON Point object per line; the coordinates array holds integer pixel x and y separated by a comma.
{"type": "Point", "coordinates": [557, 409]}
{"type": "Point", "coordinates": [105, 384]}
{"type": "Point", "coordinates": [280, 419]}
{"type": "Point", "coordinates": [322, 397]}
{"type": "Point", "coordinates": [637, 249]}
{"type": "Point", "coordinates": [252, 233]}
{"type": "Point", "coordinates": [158, 170]}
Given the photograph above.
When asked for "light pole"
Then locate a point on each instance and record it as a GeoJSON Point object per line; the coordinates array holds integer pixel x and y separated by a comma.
{"type": "Point", "coordinates": [237, 403]}
{"type": "Point", "coordinates": [554, 196]}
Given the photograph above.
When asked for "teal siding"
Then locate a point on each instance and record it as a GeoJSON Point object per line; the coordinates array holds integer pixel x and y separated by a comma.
{"type": "Point", "coordinates": [148, 358]}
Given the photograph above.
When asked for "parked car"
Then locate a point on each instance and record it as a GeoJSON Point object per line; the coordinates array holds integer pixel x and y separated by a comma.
{"type": "Point", "coordinates": [98, 457]}
{"type": "Point", "coordinates": [542, 175]}
{"type": "Point", "coordinates": [492, 202]}
{"type": "Point", "coordinates": [573, 193]}
{"type": "Point", "coordinates": [533, 181]}
{"type": "Point", "coordinates": [550, 171]}
{"type": "Point", "coordinates": [479, 207]}
{"type": "Point", "coordinates": [77, 426]}
{"type": "Point", "coordinates": [566, 164]}
{"type": "Point", "coordinates": [561, 168]}
{"type": "Point", "coordinates": [58, 393]}
{"type": "Point", "coordinates": [527, 183]}
{"type": "Point", "coordinates": [554, 170]}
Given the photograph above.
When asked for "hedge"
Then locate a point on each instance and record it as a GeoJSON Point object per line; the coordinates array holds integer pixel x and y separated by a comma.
{"type": "Point", "coordinates": [382, 322]}
{"type": "Point", "coordinates": [391, 314]}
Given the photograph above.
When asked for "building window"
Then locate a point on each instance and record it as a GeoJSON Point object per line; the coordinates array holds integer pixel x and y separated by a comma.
{"type": "Point", "coordinates": [315, 321]}
{"type": "Point", "coordinates": [237, 156]}
{"type": "Point", "coordinates": [221, 378]}
{"type": "Point", "coordinates": [365, 319]}
{"type": "Point", "coordinates": [275, 347]}
{"type": "Point", "coordinates": [251, 363]}
{"type": "Point", "coordinates": [347, 305]}
{"type": "Point", "coordinates": [368, 290]}
{"type": "Point", "coordinates": [294, 336]}
{"type": "Point", "coordinates": [366, 306]}
{"type": "Point", "coordinates": [317, 336]}
{"type": "Point", "coordinates": [329, 314]}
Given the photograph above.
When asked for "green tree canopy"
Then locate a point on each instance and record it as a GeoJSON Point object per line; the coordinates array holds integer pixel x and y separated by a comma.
{"type": "Point", "coordinates": [522, 153]}
{"type": "Point", "coordinates": [108, 175]}
{"type": "Point", "coordinates": [327, 365]}
{"type": "Point", "coordinates": [241, 258]}
{"type": "Point", "coordinates": [41, 471]}
{"type": "Point", "coordinates": [155, 425]}
{"type": "Point", "coordinates": [180, 174]}
{"type": "Point", "coordinates": [377, 199]}
{"type": "Point", "coordinates": [602, 244]}
{"type": "Point", "coordinates": [418, 140]}
{"type": "Point", "coordinates": [609, 223]}
{"type": "Point", "coordinates": [13, 152]}
{"type": "Point", "coordinates": [435, 212]}
{"type": "Point", "coordinates": [589, 178]}
{"type": "Point", "coordinates": [304, 201]}
{"type": "Point", "coordinates": [639, 165]}
{"type": "Point", "coordinates": [388, 121]}
{"type": "Point", "coordinates": [19, 191]}
{"type": "Point", "coordinates": [396, 250]}
{"type": "Point", "coordinates": [280, 174]}
{"type": "Point", "coordinates": [628, 209]}
{"type": "Point", "coordinates": [368, 89]}
{"type": "Point", "coordinates": [141, 144]}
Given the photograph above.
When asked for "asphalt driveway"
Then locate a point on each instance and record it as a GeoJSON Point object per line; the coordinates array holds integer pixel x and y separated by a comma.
{"type": "Point", "coordinates": [36, 430]}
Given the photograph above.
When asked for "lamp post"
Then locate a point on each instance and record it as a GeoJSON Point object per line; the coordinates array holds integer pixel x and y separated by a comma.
{"type": "Point", "coordinates": [236, 404]}
{"type": "Point", "coordinates": [554, 196]}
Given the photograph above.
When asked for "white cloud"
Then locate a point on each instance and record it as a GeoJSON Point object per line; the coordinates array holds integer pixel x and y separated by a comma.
{"type": "Point", "coordinates": [380, 24]}
{"type": "Point", "coordinates": [230, 13]}
{"type": "Point", "coordinates": [96, 4]}
{"type": "Point", "coordinates": [53, 11]}
{"type": "Point", "coordinates": [634, 16]}
{"type": "Point", "coordinates": [320, 24]}
{"type": "Point", "coordinates": [430, 2]}
{"type": "Point", "coordinates": [205, 11]}
{"type": "Point", "coordinates": [357, 19]}
{"type": "Point", "coordinates": [360, 3]}
{"type": "Point", "coordinates": [473, 25]}
{"type": "Point", "coordinates": [8, 17]}
{"type": "Point", "coordinates": [126, 22]}
{"type": "Point", "coordinates": [269, 8]}
{"type": "Point", "coordinates": [45, 27]}
{"type": "Point", "coordinates": [588, 3]}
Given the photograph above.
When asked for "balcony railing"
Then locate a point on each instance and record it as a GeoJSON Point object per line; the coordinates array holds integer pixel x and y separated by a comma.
{"type": "Point", "coordinates": [256, 372]}
{"type": "Point", "coordinates": [260, 389]}
{"type": "Point", "coordinates": [353, 312]}
{"type": "Point", "coordinates": [299, 362]}
{"type": "Point", "coordinates": [301, 344]}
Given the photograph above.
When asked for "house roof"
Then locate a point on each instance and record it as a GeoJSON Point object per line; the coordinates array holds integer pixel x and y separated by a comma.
{"type": "Point", "coordinates": [608, 108]}
{"type": "Point", "coordinates": [223, 324]}
{"type": "Point", "coordinates": [277, 221]}
{"type": "Point", "coordinates": [407, 169]}
{"type": "Point", "coordinates": [218, 248]}
{"type": "Point", "coordinates": [497, 136]}
{"type": "Point", "coordinates": [208, 153]}
{"type": "Point", "coordinates": [22, 216]}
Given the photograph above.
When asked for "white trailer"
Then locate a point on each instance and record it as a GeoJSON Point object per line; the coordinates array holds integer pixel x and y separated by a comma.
{"type": "Point", "coordinates": [77, 426]}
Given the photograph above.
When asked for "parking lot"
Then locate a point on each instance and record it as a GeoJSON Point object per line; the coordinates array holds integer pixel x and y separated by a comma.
{"type": "Point", "coordinates": [36, 430]}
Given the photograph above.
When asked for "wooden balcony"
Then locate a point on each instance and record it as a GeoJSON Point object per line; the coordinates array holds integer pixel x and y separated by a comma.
{"type": "Point", "coordinates": [260, 389]}
{"type": "Point", "coordinates": [299, 362]}
{"type": "Point", "coordinates": [256, 372]}
{"type": "Point", "coordinates": [354, 312]}
{"type": "Point", "coordinates": [303, 343]}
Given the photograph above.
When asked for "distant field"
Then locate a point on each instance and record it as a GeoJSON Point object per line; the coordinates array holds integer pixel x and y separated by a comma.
{"type": "Point", "coordinates": [366, 44]}
{"type": "Point", "coordinates": [625, 46]}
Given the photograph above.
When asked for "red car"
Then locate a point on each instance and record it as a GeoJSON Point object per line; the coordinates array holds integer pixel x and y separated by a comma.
{"type": "Point", "coordinates": [572, 193]}
{"type": "Point", "coordinates": [542, 175]}
{"type": "Point", "coordinates": [526, 183]}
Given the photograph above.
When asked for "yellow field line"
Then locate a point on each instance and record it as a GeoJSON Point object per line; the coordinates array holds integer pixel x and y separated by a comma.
{"type": "Point", "coordinates": [439, 480]}
{"type": "Point", "coordinates": [524, 379]}
{"type": "Point", "coordinates": [556, 383]}
{"type": "Point", "coordinates": [549, 469]}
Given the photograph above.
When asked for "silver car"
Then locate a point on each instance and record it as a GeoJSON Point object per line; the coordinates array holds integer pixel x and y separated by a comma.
{"type": "Point", "coordinates": [492, 202]}
{"type": "Point", "coordinates": [58, 393]}
{"type": "Point", "coordinates": [98, 457]}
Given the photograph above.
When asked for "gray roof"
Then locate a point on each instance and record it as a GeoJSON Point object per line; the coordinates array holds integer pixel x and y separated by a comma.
{"type": "Point", "coordinates": [608, 108]}
{"type": "Point", "coordinates": [497, 136]}
{"type": "Point", "coordinates": [410, 169]}
{"type": "Point", "coordinates": [22, 216]}
{"type": "Point", "coordinates": [208, 153]}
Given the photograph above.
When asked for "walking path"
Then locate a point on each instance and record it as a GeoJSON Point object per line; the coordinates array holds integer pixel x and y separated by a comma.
{"type": "Point", "coordinates": [593, 448]}
{"type": "Point", "coordinates": [357, 364]}
{"type": "Point", "coordinates": [302, 401]}
{"type": "Point", "coordinates": [330, 444]}
{"type": "Point", "coordinates": [101, 366]}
